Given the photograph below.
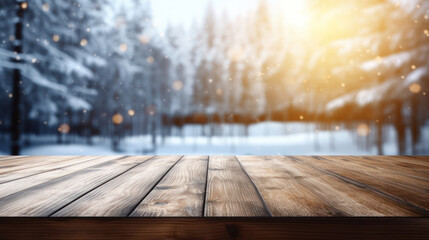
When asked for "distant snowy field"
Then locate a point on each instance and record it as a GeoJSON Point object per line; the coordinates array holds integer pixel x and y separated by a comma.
{"type": "Point", "coordinates": [264, 139]}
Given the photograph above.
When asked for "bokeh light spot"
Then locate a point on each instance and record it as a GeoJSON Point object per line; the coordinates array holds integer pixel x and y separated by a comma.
{"type": "Point", "coordinates": [64, 128]}
{"type": "Point", "coordinates": [24, 5]}
{"type": "Point", "coordinates": [123, 47]}
{"type": "Point", "coordinates": [117, 119]}
{"type": "Point", "coordinates": [131, 112]}
{"type": "Point", "coordinates": [363, 130]}
{"type": "Point", "coordinates": [415, 88]}
{"type": "Point", "coordinates": [83, 42]}
{"type": "Point", "coordinates": [56, 38]}
{"type": "Point", "coordinates": [177, 85]}
{"type": "Point", "coordinates": [150, 60]}
{"type": "Point", "coordinates": [46, 7]}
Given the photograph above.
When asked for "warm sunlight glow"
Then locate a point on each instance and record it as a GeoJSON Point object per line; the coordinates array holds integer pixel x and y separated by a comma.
{"type": "Point", "coordinates": [294, 13]}
{"type": "Point", "coordinates": [216, 76]}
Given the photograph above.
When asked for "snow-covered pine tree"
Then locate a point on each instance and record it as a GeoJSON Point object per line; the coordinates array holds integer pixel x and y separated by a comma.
{"type": "Point", "coordinates": [379, 69]}
{"type": "Point", "coordinates": [52, 38]}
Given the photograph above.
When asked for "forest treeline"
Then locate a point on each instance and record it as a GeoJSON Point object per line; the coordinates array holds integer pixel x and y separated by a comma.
{"type": "Point", "coordinates": [103, 68]}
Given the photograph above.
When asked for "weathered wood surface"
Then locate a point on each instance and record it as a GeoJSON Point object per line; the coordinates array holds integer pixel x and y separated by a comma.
{"type": "Point", "coordinates": [46, 198]}
{"type": "Point", "coordinates": [180, 193]}
{"type": "Point", "coordinates": [119, 196]}
{"type": "Point", "coordinates": [215, 186]}
{"type": "Point", "coordinates": [230, 192]}
{"type": "Point", "coordinates": [294, 189]}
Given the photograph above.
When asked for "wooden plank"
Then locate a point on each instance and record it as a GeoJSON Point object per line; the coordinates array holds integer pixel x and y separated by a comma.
{"type": "Point", "coordinates": [180, 193]}
{"type": "Point", "coordinates": [8, 157]}
{"type": "Point", "coordinates": [46, 198]}
{"type": "Point", "coordinates": [213, 228]}
{"type": "Point", "coordinates": [14, 161]}
{"type": "Point", "coordinates": [416, 200]}
{"type": "Point", "coordinates": [395, 177]}
{"type": "Point", "coordinates": [120, 196]}
{"type": "Point", "coordinates": [416, 169]}
{"type": "Point", "coordinates": [22, 173]}
{"type": "Point", "coordinates": [282, 189]}
{"type": "Point", "coordinates": [381, 163]}
{"type": "Point", "coordinates": [230, 192]}
{"type": "Point", "coordinates": [406, 161]}
{"type": "Point", "coordinates": [419, 160]}
{"type": "Point", "coordinates": [30, 181]}
{"type": "Point", "coordinates": [349, 199]}
{"type": "Point", "coordinates": [30, 162]}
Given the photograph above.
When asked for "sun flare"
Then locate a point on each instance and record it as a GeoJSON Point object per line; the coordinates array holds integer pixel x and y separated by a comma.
{"type": "Point", "coordinates": [294, 13]}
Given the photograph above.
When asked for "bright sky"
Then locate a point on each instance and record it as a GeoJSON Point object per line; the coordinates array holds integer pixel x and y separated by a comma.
{"type": "Point", "coordinates": [184, 12]}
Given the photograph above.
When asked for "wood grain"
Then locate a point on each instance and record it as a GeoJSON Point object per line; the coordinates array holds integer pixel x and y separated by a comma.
{"type": "Point", "coordinates": [34, 180]}
{"type": "Point", "coordinates": [419, 160]}
{"type": "Point", "coordinates": [282, 190]}
{"type": "Point", "coordinates": [393, 176]}
{"type": "Point", "coordinates": [349, 199]}
{"type": "Point", "coordinates": [395, 166]}
{"type": "Point", "coordinates": [214, 228]}
{"type": "Point", "coordinates": [22, 173]}
{"type": "Point", "coordinates": [7, 157]}
{"type": "Point", "coordinates": [30, 162]}
{"type": "Point", "coordinates": [405, 166]}
{"type": "Point", "coordinates": [46, 198]}
{"type": "Point", "coordinates": [389, 189]}
{"type": "Point", "coordinates": [230, 191]}
{"type": "Point", "coordinates": [218, 186]}
{"type": "Point", "coordinates": [180, 193]}
{"type": "Point", "coordinates": [121, 195]}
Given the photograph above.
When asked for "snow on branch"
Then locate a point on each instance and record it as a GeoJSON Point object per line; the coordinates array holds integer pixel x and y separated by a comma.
{"type": "Point", "coordinates": [38, 79]}
{"type": "Point", "coordinates": [77, 103]}
{"type": "Point", "coordinates": [417, 75]}
{"type": "Point", "coordinates": [87, 58]}
{"type": "Point", "coordinates": [392, 89]}
{"type": "Point", "coordinates": [397, 60]}
{"type": "Point", "coordinates": [67, 64]}
{"type": "Point", "coordinates": [416, 8]}
{"type": "Point", "coordinates": [340, 102]}
{"type": "Point", "coordinates": [5, 54]}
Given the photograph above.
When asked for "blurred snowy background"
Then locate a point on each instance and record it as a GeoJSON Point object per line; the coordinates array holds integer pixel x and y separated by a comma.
{"type": "Point", "coordinates": [92, 77]}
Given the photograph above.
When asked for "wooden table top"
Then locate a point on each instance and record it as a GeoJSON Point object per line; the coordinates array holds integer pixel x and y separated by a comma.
{"type": "Point", "coordinates": [214, 186]}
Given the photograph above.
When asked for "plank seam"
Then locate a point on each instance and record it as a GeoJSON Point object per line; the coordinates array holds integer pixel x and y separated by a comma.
{"type": "Point", "coordinates": [92, 159]}
{"type": "Point", "coordinates": [154, 186]}
{"type": "Point", "coordinates": [356, 183]}
{"type": "Point", "coordinates": [384, 168]}
{"type": "Point", "coordinates": [58, 177]}
{"type": "Point", "coordinates": [101, 184]}
{"type": "Point", "coordinates": [203, 214]}
{"type": "Point", "coordinates": [408, 187]}
{"type": "Point", "coordinates": [9, 158]}
{"type": "Point", "coordinates": [336, 212]}
{"type": "Point", "coordinates": [67, 158]}
{"type": "Point", "coordinates": [256, 188]}
{"type": "Point", "coordinates": [384, 160]}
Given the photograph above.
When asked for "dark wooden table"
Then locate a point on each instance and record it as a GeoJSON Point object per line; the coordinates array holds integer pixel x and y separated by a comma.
{"type": "Point", "coordinates": [196, 188]}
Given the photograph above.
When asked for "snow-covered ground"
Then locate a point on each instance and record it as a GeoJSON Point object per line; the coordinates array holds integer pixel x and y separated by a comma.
{"type": "Point", "coordinates": [263, 139]}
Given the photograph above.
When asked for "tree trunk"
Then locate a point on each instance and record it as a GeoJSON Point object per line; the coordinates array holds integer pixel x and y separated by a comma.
{"type": "Point", "coordinates": [380, 137]}
{"type": "Point", "coordinates": [400, 128]}
{"type": "Point", "coordinates": [415, 124]}
{"type": "Point", "coordinates": [16, 100]}
{"type": "Point", "coordinates": [153, 133]}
